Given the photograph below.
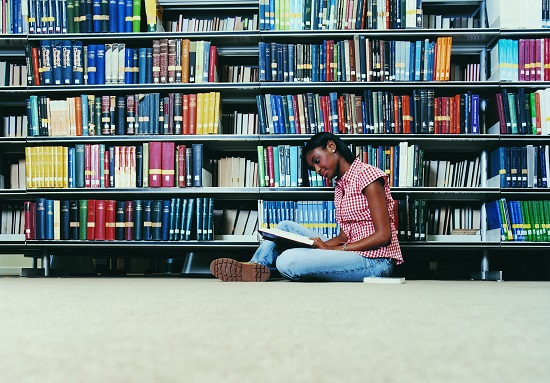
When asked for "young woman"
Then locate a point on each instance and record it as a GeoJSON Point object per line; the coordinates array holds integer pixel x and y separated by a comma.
{"type": "Point", "coordinates": [367, 243]}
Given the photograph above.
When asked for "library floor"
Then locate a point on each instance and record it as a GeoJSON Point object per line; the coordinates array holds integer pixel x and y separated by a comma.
{"type": "Point", "coordinates": [203, 330]}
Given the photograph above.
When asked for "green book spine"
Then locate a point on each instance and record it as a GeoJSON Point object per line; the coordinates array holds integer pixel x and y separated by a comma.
{"type": "Point", "coordinates": [513, 114]}
{"type": "Point", "coordinates": [83, 219]}
{"type": "Point", "coordinates": [261, 169]}
{"type": "Point", "coordinates": [137, 16]}
{"type": "Point", "coordinates": [526, 221]}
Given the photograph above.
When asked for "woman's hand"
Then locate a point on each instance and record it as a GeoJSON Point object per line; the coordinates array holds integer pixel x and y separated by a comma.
{"type": "Point", "coordinates": [319, 244]}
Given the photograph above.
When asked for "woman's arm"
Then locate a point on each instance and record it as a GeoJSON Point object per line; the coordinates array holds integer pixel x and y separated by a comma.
{"type": "Point", "coordinates": [380, 217]}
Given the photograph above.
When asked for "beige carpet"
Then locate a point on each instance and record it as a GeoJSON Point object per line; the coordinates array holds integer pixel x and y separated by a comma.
{"type": "Point", "coordinates": [203, 330]}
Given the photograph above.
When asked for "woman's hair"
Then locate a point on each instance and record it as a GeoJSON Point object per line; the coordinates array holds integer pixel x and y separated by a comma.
{"type": "Point", "coordinates": [320, 140]}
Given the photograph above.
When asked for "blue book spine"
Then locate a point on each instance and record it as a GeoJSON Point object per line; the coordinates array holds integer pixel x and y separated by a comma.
{"type": "Point", "coordinates": [92, 66]}
{"type": "Point", "coordinates": [182, 221]}
{"type": "Point", "coordinates": [70, 167]}
{"type": "Point", "coordinates": [49, 219]}
{"type": "Point", "coordinates": [315, 63]}
{"type": "Point", "coordinates": [189, 218]}
{"type": "Point", "coordinates": [261, 114]}
{"type": "Point", "coordinates": [142, 65]}
{"type": "Point", "coordinates": [79, 166]}
{"type": "Point", "coordinates": [129, 16]}
{"type": "Point", "coordinates": [135, 66]}
{"type": "Point", "coordinates": [291, 122]}
{"type": "Point", "coordinates": [274, 115]}
{"type": "Point", "coordinates": [268, 74]}
{"type": "Point", "coordinates": [261, 54]}
{"type": "Point", "coordinates": [417, 60]}
{"type": "Point", "coordinates": [197, 164]}
{"type": "Point", "coordinates": [100, 64]}
{"type": "Point", "coordinates": [113, 17]}
{"type": "Point", "coordinates": [165, 221]}
{"type": "Point", "coordinates": [149, 62]}
{"type": "Point", "coordinates": [96, 16]}
{"type": "Point", "coordinates": [210, 221]}
{"type": "Point", "coordinates": [280, 60]}
{"type": "Point", "coordinates": [112, 167]}
{"type": "Point", "coordinates": [67, 62]}
{"type": "Point", "coordinates": [334, 111]}
{"type": "Point", "coordinates": [138, 220]}
{"type": "Point", "coordinates": [498, 165]}
{"type": "Point", "coordinates": [474, 113]}
{"type": "Point", "coordinates": [198, 219]}
{"type": "Point", "coordinates": [285, 62]}
{"type": "Point", "coordinates": [57, 61]}
{"type": "Point", "coordinates": [128, 65]}
{"type": "Point", "coordinates": [121, 16]}
{"type": "Point", "coordinates": [280, 113]}
{"type": "Point", "coordinates": [293, 166]}
{"type": "Point", "coordinates": [77, 64]}
{"type": "Point", "coordinates": [40, 218]}
{"type": "Point", "coordinates": [64, 220]}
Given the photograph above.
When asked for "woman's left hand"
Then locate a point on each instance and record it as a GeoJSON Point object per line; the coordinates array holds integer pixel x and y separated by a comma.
{"type": "Point", "coordinates": [318, 243]}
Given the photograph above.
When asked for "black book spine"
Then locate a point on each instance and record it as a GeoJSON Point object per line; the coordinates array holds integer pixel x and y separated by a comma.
{"type": "Point", "coordinates": [138, 219]}
{"type": "Point", "coordinates": [139, 166]}
{"type": "Point", "coordinates": [156, 220]}
{"type": "Point", "coordinates": [147, 205]}
{"type": "Point", "coordinates": [74, 223]}
{"type": "Point", "coordinates": [64, 220]}
{"type": "Point", "coordinates": [119, 221]}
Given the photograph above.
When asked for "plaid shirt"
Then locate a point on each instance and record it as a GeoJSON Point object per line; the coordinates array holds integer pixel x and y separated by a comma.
{"type": "Point", "coordinates": [353, 213]}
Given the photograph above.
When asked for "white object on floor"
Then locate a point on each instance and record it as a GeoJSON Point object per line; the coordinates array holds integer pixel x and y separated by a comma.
{"type": "Point", "coordinates": [385, 280]}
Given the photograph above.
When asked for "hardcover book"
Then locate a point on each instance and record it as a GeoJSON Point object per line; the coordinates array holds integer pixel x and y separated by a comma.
{"type": "Point", "coordinates": [285, 239]}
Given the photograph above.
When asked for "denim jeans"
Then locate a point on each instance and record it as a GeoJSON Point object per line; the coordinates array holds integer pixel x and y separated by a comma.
{"type": "Point", "coordinates": [304, 264]}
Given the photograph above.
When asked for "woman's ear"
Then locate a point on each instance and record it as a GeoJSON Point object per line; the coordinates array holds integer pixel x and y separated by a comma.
{"type": "Point", "coordinates": [331, 146]}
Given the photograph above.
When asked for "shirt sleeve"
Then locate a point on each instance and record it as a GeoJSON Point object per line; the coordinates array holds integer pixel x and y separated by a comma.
{"type": "Point", "coordinates": [369, 175]}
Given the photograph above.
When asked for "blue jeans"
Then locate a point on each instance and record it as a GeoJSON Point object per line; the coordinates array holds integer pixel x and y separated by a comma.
{"type": "Point", "coordinates": [301, 264]}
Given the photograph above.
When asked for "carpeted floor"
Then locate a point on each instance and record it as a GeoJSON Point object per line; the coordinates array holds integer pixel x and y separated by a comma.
{"type": "Point", "coordinates": [203, 330]}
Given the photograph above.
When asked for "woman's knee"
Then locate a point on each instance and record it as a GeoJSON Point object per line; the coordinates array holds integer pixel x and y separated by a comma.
{"type": "Point", "coordinates": [287, 264]}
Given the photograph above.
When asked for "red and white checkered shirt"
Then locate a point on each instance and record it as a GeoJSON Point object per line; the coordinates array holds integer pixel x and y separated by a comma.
{"type": "Point", "coordinates": [353, 213]}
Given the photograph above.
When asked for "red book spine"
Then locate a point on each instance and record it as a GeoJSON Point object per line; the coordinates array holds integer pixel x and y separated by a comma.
{"type": "Point", "coordinates": [185, 113]}
{"type": "Point", "coordinates": [341, 126]}
{"type": "Point", "coordinates": [457, 115]}
{"type": "Point", "coordinates": [406, 114]}
{"type": "Point", "coordinates": [533, 59]}
{"type": "Point", "coordinates": [500, 109]}
{"type": "Point", "coordinates": [90, 225]}
{"type": "Point", "coordinates": [110, 210]}
{"type": "Point", "coordinates": [270, 166]}
{"type": "Point", "coordinates": [172, 61]}
{"type": "Point", "coordinates": [155, 164]}
{"type": "Point", "coordinates": [521, 60]}
{"type": "Point", "coordinates": [156, 61]}
{"type": "Point", "coordinates": [167, 164]}
{"type": "Point", "coordinates": [546, 59]}
{"type": "Point", "coordinates": [100, 220]}
{"type": "Point", "coordinates": [163, 60]}
{"type": "Point", "coordinates": [35, 65]}
{"type": "Point", "coordinates": [452, 121]}
{"type": "Point", "coordinates": [129, 220]}
{"type": "Point", "coordinates": [171, 105]}
{"type": "Point", "coordinates": [395, 100]}
{"type": "Point", "coordinates": [87, 166]}
{"type": "Point", "coordinates": [95, 166]}
{"type": "Point", "coordinates": [437, 115]}
{"type": "Point", "coordinates": [213, 64]}
{"type": "Point", "coordinates": [296, 114]}
{"type": "Point", "coordinates": [106, 162]}
{"type": "Point", "coordinates": [538, 60]}
{"type": "Point", "coordinates": [28, 221]}
{"type": "Point", "coordinates": [193, 113]}
{"type": "Point", "coordinates": [181, 166]}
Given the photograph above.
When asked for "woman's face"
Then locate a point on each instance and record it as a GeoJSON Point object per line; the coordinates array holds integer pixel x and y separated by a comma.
{"type": "Point", "coordinates": [325, 161]}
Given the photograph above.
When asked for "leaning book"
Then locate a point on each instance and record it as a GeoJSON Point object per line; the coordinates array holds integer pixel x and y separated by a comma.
{"type": "Point", "coordinates": [285, 239]}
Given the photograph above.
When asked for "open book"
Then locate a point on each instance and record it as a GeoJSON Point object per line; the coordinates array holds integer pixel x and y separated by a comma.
{"type": "Point", "coordinates": [285, 239]}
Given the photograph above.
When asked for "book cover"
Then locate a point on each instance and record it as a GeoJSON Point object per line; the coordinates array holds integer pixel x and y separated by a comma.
{"type": "Point", "coordinates": [285, 239]}
{"type": "Point", "coordinates": [100, 220]}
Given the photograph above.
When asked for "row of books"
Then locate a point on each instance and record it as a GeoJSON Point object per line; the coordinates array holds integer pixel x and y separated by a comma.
{"type": "Point", "coordinates": [175, 219]}
{"type": "Point", "coordinates": [153, 164]}
{"type": "Point", "coordinates": [519, 221]}
{"type": "Point", "coordinates": [519, 112]}
{"type": "Point", "coordinates": [360, 59]}
{"type": "Point", "coordinates": [12, 219]}
{"type": "Point", "coordinates": [69, 62]}
{"type": "Point", "coordinates": [239, 123]}
{"type": "Point", "coordinates": [239, 73]}
{"type": "Point", "coordinates": [280, 166]}
{"type": "Point", "coordinates": [433, 21]}
{"type": "Point", "coordinates": [149, 113]}
{"type": "Point", "coordinates": [14, 126]}
{"type": "Point", "coordinates": [520, 60]}
{"type": "Point", "coordinates": [417, 219]}
{"type": "Point", "coordinates": [316, 215]}
{"type": "Point", "coordinates": [237, 172]}
{"type": "Point", "coordinates": [407, 166]}
{"type": "Point", "coordinates": [212, 24]}
{"type": "Point", "coordinates": [237, 221]}
{"type": "Point", "coordinates": [340, 14]}
{"type": "Point", "coordinates": [375, 112]}
{"type": "Point", "coordinates": [12, 74]}
{"type": "Point", "coordinates": [506, 14]}
{"type": "Point", "coordinates": [78, 16]}
{"type": "Point", "coordinates": [17, 175]}
{"type": "Point", "coordinates": [519, 167]}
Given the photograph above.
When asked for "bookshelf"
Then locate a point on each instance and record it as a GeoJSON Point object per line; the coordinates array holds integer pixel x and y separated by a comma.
{"type": "Point", "coordinates": [242, 48]}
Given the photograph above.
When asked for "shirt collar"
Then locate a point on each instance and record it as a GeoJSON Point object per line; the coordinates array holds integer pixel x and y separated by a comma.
{"type": "Point", "coordinates": [347, 175]}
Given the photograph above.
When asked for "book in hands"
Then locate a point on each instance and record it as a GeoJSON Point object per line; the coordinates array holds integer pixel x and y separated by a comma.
{"type": "Point", "coordinates": [285, 239]}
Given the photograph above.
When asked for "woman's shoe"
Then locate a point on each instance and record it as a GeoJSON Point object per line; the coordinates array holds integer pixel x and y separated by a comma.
{"type": "Point", "coordinates": [229, 270]}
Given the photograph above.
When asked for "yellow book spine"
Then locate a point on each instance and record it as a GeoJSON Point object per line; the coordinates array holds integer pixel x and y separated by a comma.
{"type": "Point", "coordinates": [28, 167]}
{"type": "Point", "coordinates": [65, 167]}
{"type": "Point", "coordinates": [200, 97]}
{"type": "Point", "coordinates": [217, 113]}
{"type": "Point", "coordinates": [211, 114]}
